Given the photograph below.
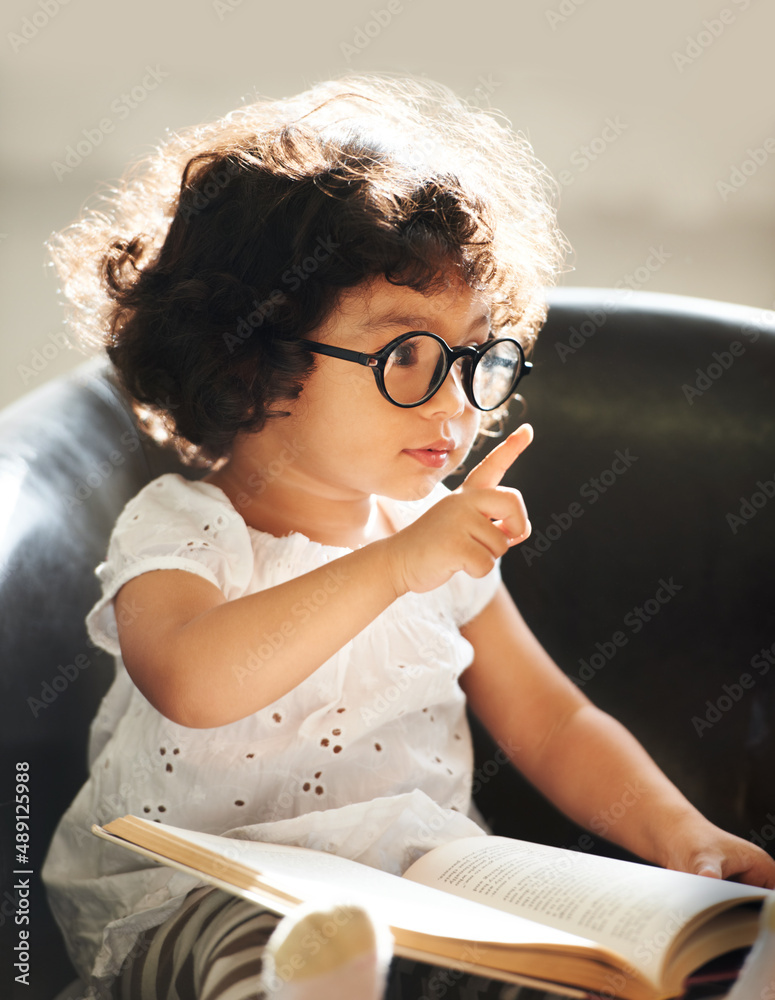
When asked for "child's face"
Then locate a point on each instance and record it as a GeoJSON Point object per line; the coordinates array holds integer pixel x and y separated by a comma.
{"type": "Point", "coordinates": [345, 435]}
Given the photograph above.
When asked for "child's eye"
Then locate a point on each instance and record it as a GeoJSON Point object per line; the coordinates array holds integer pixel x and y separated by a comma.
{"type": "Point", "coordinates": [405, 354]}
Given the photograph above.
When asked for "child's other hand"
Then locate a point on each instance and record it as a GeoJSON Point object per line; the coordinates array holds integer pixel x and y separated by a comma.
{"type": "Point", "coordinates": [468, 530]}
{"type": "Point", "coordinates": [705, 849]}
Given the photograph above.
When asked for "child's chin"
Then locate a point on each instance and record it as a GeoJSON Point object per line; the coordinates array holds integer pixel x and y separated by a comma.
{"type": "Point", "coordinates": [421, 488]}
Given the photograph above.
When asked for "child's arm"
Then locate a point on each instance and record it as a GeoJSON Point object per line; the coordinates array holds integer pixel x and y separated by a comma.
{"type": "Point", "coordinates": [584, 761]}
{"type": "Point", "coordinates": [202, 660]}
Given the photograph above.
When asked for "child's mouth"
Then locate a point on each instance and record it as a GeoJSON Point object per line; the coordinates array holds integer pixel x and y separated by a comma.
{"type": "Point", "coordinates": [432, 457]}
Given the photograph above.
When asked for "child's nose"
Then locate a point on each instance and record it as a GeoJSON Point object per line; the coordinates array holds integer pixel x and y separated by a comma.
{"type": "Point", "coordinates": [450, 398]}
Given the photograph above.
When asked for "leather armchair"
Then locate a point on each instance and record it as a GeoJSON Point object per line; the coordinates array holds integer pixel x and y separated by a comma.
{"type": "Point", "coordinates": [651, 489]}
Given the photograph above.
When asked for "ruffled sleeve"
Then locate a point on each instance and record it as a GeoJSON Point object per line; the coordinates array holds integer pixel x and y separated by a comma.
{"type": "Point", "coordinates": [172, 524]}
{"type": "Point", "coordinates": [471, 596]}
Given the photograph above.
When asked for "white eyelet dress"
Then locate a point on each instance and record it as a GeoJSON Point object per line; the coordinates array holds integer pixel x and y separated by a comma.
{"type": "Point", "coordinates": [369, 757]}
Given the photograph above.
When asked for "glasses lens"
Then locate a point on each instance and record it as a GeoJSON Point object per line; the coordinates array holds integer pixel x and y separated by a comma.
{"type": "Point", "coordinates": [496, 374]}
{"type": "Point", "coordinates": [414, 369]}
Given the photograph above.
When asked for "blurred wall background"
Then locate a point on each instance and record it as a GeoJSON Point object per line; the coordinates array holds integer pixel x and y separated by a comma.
{"type": "Point", "coordinates": [656, 118]}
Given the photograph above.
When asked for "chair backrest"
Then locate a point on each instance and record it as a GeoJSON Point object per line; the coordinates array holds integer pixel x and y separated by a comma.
{"type": "Point", "coordinates": [70, 458]}
{"type": "Point", "coordinates": [649, 573]}
{"type": "Point", "coordinates": [651, 489]}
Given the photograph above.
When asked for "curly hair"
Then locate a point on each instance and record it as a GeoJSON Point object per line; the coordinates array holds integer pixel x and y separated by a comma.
{"type": "Point", "coordinates": [211, 258]}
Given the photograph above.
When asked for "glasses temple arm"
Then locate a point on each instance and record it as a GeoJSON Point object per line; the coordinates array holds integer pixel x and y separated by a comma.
{"type": "Point", "coordinates": [339, 352]}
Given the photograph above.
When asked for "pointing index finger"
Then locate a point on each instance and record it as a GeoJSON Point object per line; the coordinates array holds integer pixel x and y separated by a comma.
{"type": "Point", "coordinates": [495, 465]}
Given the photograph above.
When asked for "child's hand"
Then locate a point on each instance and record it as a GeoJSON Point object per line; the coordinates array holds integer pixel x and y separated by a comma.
{"type": "Point", "coordinates": [705, 849]}
{"type": "Point", "coordinates": [467, 530]}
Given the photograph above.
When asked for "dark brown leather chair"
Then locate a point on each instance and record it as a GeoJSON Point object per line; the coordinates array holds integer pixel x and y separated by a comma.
{"type": "Point", "coordinates": [649, 575]}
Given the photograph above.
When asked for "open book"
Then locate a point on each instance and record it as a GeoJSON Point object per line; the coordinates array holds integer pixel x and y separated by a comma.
{"type": "Point", "coordinates": [496, 907]}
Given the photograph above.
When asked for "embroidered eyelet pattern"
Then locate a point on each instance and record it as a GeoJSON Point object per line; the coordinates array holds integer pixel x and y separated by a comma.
{"type": "Point", "coordinates": [289, 790]}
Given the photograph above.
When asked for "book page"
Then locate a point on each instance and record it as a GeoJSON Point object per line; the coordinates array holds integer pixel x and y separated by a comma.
{"type": "Point", "coordinates": [314, 876]}
{"type": "Point", "coordinates": [634, 909]}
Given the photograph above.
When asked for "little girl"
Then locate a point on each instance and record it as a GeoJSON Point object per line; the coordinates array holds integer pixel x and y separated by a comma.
{"type": "Point", "coordinates": [324, 301]}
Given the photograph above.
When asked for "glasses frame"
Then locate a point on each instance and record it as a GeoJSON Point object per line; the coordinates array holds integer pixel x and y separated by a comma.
{"type": "Point", "coordinates": [473, 355]}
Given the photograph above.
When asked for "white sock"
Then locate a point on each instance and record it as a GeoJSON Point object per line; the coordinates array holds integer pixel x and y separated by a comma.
{"type": "Point", "coordinates": [757, 977]}
{"type": "Point", "coordinates": [315, 954]}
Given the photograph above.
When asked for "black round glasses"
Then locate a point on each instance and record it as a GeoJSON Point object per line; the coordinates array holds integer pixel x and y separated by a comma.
{"type": "Point", "coordinates": [412, 368]}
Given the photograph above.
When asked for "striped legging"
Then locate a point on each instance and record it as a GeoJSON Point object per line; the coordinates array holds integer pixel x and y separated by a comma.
{"type": "Point", "coordinates": [212, 949]}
